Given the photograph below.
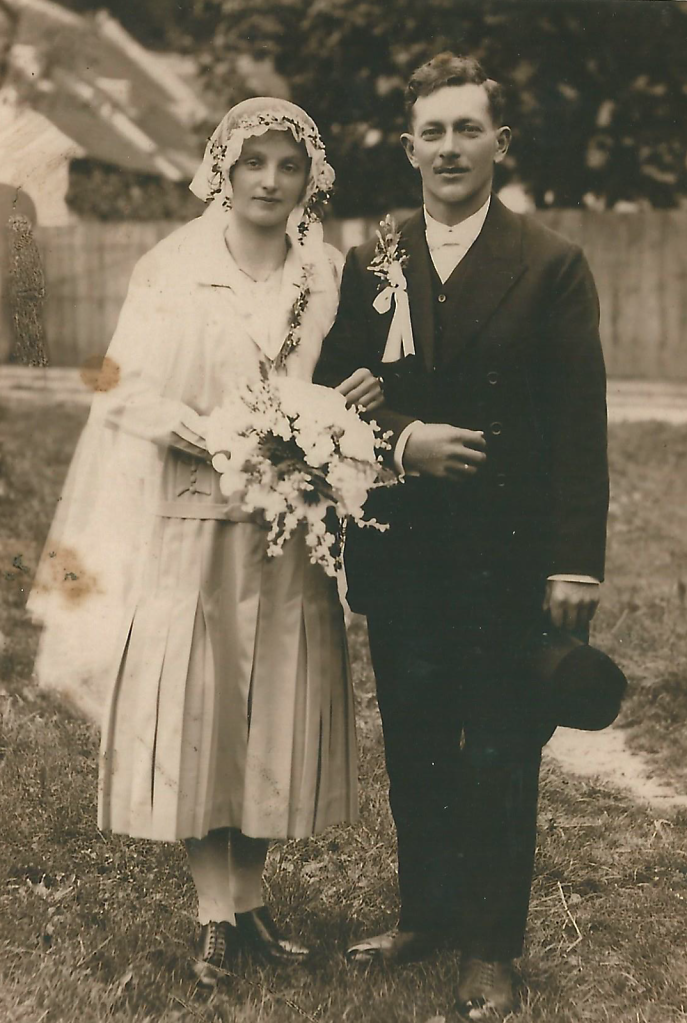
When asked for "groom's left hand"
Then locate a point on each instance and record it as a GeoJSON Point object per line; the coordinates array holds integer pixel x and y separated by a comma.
{"type": "Point", "coordinates": [571, 605]}
{"type": "Point", "coordinates": [362, 388]}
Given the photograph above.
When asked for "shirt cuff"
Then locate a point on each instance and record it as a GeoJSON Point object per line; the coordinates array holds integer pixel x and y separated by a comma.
{"type": "Point", "coordinates": [565, 578]}
{"type": "Point", "coordinates": [189, 435]}
{"type": "Point", "coordinates": [192, 422]}
{"type": "Point", "coordinates": [400, 448]}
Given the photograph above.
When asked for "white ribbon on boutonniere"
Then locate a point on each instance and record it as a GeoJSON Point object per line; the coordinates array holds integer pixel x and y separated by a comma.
{"type": "Point", "coordinates": [387, 263]}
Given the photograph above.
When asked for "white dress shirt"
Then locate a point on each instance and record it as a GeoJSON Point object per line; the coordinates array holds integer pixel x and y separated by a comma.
{"type": "Point", "coordinates": [447, 247]}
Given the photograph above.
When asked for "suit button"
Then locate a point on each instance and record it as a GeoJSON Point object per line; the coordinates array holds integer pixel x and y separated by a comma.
{"type": "Point", "coordinates": [500, 479]}
{"type": "Point", "coordinates": [441, 298]}
{"type": "Point", "coordinates": [492, 376]}
{"type": "Point", "coordinates": [495, 428]}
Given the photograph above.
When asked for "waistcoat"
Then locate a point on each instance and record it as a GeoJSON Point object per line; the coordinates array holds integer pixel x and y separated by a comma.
{"type": "Point", "coordinates": [447, 297]}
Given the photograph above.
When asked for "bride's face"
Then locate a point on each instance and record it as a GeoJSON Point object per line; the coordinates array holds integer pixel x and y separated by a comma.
{"type": "Point", "coordinates": [269, 178]}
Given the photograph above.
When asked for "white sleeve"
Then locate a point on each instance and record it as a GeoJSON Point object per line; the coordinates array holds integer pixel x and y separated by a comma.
{"type": "Point", "coordinates": [400, 448]}
{"type": "Point", "coordinates": [564, 578]}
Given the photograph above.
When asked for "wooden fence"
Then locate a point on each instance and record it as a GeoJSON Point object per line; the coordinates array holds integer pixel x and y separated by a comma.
{"type": "Point", "coordinates": [639, 262]}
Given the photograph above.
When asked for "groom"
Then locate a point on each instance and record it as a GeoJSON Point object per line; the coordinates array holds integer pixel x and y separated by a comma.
{"type": "Point", "coordinates": [495, 399]}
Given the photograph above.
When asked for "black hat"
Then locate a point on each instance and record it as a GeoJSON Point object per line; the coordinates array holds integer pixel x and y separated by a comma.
{"type": "Point", "coordinates": [578, 686]}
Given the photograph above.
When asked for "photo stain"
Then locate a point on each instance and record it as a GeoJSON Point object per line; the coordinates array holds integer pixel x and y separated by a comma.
{"type": "Point", "coordinates": [100, 373]}
{"type": "Point", "coordinates": [63, 572]}
{"type": "Point", "coordinates": [18, 563]}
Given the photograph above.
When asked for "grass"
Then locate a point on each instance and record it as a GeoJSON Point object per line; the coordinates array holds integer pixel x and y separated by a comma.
{"type": "Point", "coordinates": [642, 621]}
{"type": "Point", "coordinates": [95, 927]}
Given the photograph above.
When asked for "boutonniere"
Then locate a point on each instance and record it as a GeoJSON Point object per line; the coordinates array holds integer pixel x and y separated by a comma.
{"type": "Point", "coordinates": [388, 263]}
{"type": "Point", "coordinates": [390, 258]}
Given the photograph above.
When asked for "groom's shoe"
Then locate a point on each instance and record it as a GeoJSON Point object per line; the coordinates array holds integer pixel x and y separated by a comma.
{"type": "Point", "coordinates": [485, 991]}
{"type": "Point", "coordinates": [394, 946]}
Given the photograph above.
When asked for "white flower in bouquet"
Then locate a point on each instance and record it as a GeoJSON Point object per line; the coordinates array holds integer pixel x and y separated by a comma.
{"type": "Point", "coordinates": [318, 447]}
{"type": "Point", "coordinates": [358, 441]}
{"type": "Point", "coordinates": [314, 400]}
{"type": "Point", "coordinates": [231, 480]}
{"type": "Point", "coordinates": [232, 419]}
{"type": "Point", "coordinates": [352, 484]}
{"type": "Point", "coordinates": [297, 455]}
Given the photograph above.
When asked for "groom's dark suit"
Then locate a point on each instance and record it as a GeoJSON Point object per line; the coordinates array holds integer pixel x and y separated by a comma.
{"type": "Point", "coordinates": [508, 345]}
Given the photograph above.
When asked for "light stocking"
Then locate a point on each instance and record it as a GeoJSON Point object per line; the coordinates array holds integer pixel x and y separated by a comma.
{"type": "Point", "coordinates": [226, 867]}
{"type": "Point", "coordinates": [209, 865]}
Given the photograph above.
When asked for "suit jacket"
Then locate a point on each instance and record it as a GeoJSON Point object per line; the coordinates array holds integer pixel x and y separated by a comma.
{"type": "Point", "coordinates": [518, 357]}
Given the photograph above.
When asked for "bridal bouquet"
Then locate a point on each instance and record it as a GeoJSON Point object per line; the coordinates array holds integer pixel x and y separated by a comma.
{"type": "Point", "coordinates": [298, 457]}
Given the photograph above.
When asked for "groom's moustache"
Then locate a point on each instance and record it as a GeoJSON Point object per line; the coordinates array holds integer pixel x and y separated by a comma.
{"type": "Point", "coordinates": [441, 168]}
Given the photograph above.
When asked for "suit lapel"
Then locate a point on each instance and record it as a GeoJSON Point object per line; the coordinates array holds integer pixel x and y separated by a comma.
{"type": "Point", "coordinates": [420, 294]}
{"type": "Point", "coordinates": [482, 280]}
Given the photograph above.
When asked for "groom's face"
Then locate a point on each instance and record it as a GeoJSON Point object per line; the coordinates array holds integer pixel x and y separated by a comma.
{"type": "Point", "coordinates": [454, 144]}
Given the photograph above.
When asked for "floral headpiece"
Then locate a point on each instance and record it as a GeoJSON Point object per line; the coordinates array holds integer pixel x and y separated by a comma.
{"type": "Point", "coordinates": [255, 117]}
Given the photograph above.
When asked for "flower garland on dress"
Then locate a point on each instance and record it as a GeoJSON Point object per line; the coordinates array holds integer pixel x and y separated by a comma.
{"type": "Point", "coordinates": [293, 335]}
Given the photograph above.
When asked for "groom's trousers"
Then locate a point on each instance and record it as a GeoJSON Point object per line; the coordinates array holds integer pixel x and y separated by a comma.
{"type": "Point", "coordinates": [462, 751]}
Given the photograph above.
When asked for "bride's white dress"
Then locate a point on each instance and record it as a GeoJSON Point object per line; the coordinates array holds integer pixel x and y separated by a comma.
{"type": "Point", "coordinates": [229, 698]}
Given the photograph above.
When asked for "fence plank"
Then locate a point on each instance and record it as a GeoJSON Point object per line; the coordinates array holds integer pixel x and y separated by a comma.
{"type": "Point", "coordinates": [674, 348]}
{"type": "Point", "coordinates": [639, 261]}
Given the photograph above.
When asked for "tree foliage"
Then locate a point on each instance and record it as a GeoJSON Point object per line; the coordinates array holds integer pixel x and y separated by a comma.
{"type": "Point", "coordinates": [597, 100]}
{"type": "Point", "coordinates": [159, 24]}
{"type": "Point", "coordinates": [98, 191]}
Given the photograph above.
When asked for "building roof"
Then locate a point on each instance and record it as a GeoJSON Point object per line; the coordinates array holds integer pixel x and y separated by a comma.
{"type": "Point", "coordinates": [118, 102]}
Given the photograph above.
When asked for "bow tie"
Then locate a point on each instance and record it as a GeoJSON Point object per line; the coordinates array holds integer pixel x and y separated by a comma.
{"type": "Point", "coordinates": [440, 235]}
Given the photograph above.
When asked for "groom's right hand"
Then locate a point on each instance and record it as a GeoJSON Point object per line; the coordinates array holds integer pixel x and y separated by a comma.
{"type": "Point", "coordinates": [448, 452]}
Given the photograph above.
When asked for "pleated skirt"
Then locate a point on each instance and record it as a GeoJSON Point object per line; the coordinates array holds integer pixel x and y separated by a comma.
{"type": "Point", "coordinates": [232, 702]}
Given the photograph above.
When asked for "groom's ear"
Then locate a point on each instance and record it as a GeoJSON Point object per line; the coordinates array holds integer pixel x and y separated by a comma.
{"type": "Point", "coordinates": [502, 142]}
{"type": "Point", "coordinates": [408, 143]}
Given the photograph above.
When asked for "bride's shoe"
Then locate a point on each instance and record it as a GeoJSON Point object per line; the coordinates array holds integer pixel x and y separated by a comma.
{"type": "Point", "coordinates": [258, 933]}
{"type": "Point", "coordinates": [218, 941]}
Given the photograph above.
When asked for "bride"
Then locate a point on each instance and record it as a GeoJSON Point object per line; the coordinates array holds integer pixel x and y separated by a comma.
{"type": "Point", "coordinates": [223, 673]}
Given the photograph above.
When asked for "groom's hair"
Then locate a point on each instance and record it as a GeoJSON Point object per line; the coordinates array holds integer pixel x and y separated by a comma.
{"type": "Point", "coordinates": [449, 69]}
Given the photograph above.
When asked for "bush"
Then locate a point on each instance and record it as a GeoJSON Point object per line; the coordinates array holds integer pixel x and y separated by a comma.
{"type": "Point", "coordinates": [99, 191]}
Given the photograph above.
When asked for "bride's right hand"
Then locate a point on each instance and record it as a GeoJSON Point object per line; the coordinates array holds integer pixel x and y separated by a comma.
{"type": "Point", "coordinates": [362, 388]}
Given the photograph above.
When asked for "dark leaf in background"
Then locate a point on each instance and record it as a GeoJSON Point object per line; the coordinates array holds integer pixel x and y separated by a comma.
{"type": "Point", "coordinates": [597, 102]}
{"type": "Point", "coordinates": [596, 97]}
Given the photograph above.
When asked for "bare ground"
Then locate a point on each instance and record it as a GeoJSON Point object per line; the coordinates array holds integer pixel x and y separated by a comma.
{"type": "Point", "coordinates": [606, 757]}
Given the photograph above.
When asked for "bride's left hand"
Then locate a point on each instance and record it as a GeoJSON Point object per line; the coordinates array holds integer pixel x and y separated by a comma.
{"type": "Point", "coordinates": [362, 388]}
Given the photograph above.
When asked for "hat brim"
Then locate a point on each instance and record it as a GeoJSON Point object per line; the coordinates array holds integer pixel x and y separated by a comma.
{"type": "Point", "coordinates": [578, 686]}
